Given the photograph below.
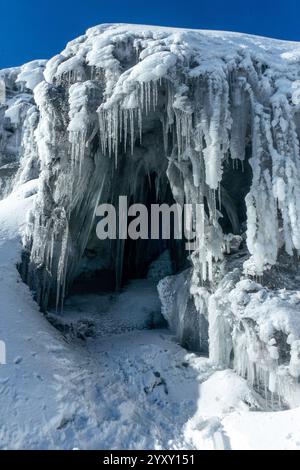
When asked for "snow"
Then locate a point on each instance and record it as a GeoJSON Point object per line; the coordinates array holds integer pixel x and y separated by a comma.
{"type": "Point", "coordinates": [31, 74]}
{"type": "Point", "coordinates": [256, 430]}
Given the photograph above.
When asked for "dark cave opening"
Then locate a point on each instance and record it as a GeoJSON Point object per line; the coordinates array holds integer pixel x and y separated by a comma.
{"type": "Point", "coordinates": [108, 265]}
{"type": "Point", "coordinates": [140, 253]}
{"type": "Point", "coordinates": [137, 255]}
{"type": "Point", "coordinates": [236, 182]}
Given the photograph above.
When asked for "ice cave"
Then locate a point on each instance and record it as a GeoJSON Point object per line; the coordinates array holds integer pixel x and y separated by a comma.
{"type": "Point", "coordinates": [164, 116]}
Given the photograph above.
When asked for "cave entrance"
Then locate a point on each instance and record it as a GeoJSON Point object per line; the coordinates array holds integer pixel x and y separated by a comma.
{"type": "Point", "coordinates": [140, 253]}
{"type": "Point", "coordinates": [108, 265]}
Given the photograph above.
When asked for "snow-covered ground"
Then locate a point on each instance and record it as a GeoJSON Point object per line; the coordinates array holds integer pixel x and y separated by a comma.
{"type": "Point", "coordinates": [125, 386]}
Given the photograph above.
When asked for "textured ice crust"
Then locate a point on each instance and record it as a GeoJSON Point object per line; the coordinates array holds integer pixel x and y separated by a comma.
{"type": "Point", "coordinates": [196, 108]}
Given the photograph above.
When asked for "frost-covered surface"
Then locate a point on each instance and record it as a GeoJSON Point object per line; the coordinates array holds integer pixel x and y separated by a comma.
{"type": "Point", "coordinates": [159, 115]}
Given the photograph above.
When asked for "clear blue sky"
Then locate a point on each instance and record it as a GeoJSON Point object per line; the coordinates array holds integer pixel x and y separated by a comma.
{"type": "Point", "coordinates": [31, 29]}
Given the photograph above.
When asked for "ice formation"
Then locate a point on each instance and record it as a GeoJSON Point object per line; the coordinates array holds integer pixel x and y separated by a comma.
{"type": "Point", "coordinates": [18, 119]}
{"type": "Point", "coordinates": [169, 115]}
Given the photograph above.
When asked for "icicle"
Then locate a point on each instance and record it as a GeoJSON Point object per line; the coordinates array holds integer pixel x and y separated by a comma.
{"type": "Point", "coordinates": [157, 186]}
{"type": "Point", "coordinates": [220, 197]}
{"type": "Point", "coordinates": [142, 104]}
{"type": "Point", "coordinates": [165, 135]}
{"type": "Point", "coordinates": [62, 268]}
{"type": "Point", "coordinates": [131, 121]}
{"type": "Point", "coordinates": [125, 128]}
{"type": "Point", "coordinates": [140, 124]}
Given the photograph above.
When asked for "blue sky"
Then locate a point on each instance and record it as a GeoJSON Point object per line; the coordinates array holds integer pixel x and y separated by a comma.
{"type": "Point", "coordinates": [31, 29]}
